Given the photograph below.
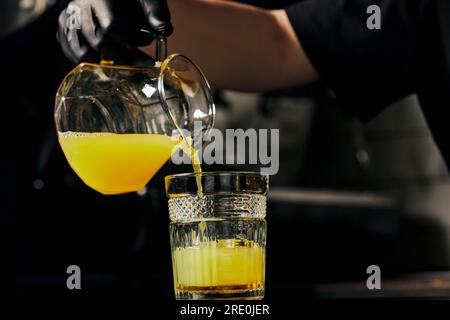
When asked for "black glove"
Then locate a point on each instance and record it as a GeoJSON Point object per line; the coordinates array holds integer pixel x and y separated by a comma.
{"type": "Point", "coordinates": [110, 27]}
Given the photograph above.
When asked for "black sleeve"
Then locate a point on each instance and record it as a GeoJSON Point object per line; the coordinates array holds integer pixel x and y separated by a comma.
{"type": "Point", "coordinates": [368, 69]}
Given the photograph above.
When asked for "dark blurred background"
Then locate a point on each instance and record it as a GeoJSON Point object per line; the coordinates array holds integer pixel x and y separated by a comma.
{"type": "Point", "coordinates": [347, 195]}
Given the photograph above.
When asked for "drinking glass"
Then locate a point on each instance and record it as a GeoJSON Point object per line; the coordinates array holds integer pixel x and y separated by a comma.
{"type": "Point", "coordinates": [218, 239]}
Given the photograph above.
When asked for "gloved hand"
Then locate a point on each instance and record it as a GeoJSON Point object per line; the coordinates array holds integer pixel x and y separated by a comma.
{"type": "Point", "coordinates": [112, 27]}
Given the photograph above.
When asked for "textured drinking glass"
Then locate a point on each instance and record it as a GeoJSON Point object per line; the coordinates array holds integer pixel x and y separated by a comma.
{"type": "Point", "coordinates": [218, 239]}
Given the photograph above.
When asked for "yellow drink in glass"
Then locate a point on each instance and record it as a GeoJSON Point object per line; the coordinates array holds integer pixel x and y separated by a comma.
{"type": "Point", "coordinates": [116, 163]}
{"type": "Point", "coordinates": [223, 266]}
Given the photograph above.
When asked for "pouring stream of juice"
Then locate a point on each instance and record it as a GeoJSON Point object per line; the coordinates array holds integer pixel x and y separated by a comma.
{"type": "Point", "coordinates": [188, 148]}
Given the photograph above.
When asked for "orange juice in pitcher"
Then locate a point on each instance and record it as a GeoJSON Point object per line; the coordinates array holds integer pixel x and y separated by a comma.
{"type": "Point", "coordinates": [116, 163]}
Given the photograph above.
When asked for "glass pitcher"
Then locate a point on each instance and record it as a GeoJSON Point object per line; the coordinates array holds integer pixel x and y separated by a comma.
{"type": "Point", "coordinates": [116, 124]}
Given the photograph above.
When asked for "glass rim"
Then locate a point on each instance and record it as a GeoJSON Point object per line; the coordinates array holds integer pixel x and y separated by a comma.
{"type": "Point", "coordinates": [216, 173]}
{"type": "Point", "coordinates": [216, 182]}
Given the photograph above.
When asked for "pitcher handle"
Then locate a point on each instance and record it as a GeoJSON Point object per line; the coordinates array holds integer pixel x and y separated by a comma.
{"type": "Point", "coordinates": [161, 48]}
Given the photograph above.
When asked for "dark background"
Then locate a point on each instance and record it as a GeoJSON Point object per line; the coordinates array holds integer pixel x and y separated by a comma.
{"type": "Point", "coordinates": [50, 220]}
